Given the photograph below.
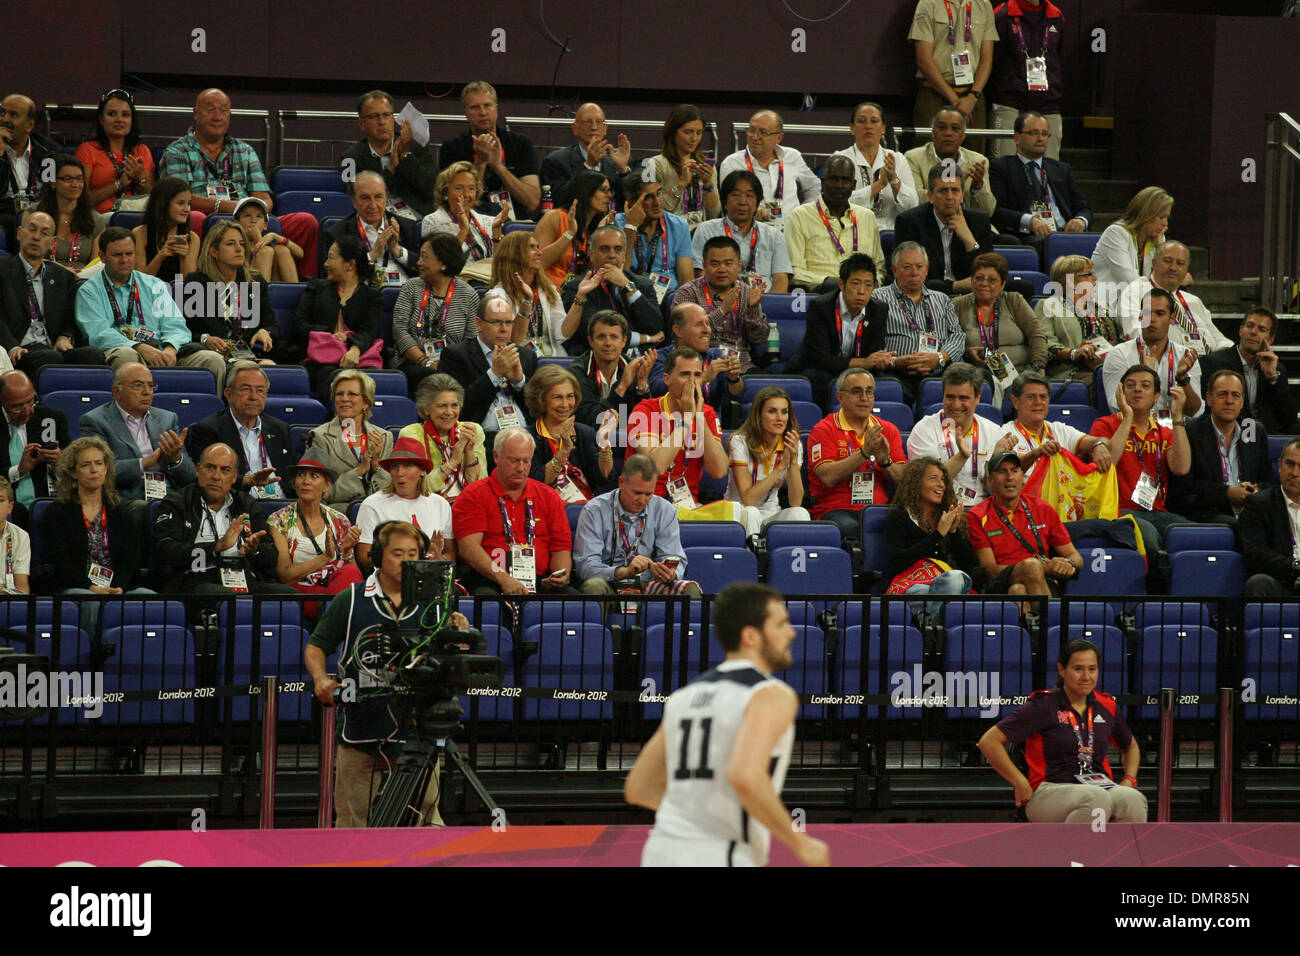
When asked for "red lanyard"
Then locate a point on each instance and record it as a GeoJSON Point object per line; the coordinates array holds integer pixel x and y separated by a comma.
{"type": "Point", "coordinates": [780, 177]}
{"type": "Point", "coordinates": [952, 25]}
{"type": "Point", "coordinates": [134, 298]}
{"type": "Point", "coordinates": [1085, 753]}
{"type": "Point", "coordinates": [735, 308]}
{"type": "Point", "coordinates": [74, 247]}
{"type": "Point", "coordinates": [857, 336]}
{"type": "Point", "coordinates": [431, 432]}
{"type": "Point", "coordinates": [988, 330]}
{"type": "Point", "coordinates": [358, 447]}
{"type": "Point", "coordinates": [629, 546]}
{"type": "Point", "coordinates": [361, 231]}
{"type": "Point", "coordinates": [974, 447]}
{"type": "Point", "coordinates": [663, 246]}
{"type": "Point", "coordinates": [596, 375]}
{"type": "Point", "coordinates": [424, 307]}
{"type": "Point", "coordinates": [1047, 434]}
{"type": "Point", "coordinates": [753, 241]}
{"type": "Point", "coordinates": [487, 240]}
{"type": "Point", "coordinates": [614, 297]}
{"type": "Point", "coordinates": [1169, 354]}
{"type": "Point", "coordinates": [821, 211]}
{"type": "Point", "coordinates": [573, 471]}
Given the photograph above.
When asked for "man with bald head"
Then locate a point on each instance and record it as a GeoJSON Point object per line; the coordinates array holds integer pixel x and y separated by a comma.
{"type": "Point", "coordinates": [1192, 325]}
{"type": "Point", "coordinates": [211, 538]}
{"type": "Point", "coordinates": [34, 436]}
{"type": "Point", "coordinates": [591, 151]}
{"type": "Point", "coordinates": [392, 241]}
{"type": "Point", "coordinates": [822, 234]}
{"type": "Point", "coordinates": [22, 160]}
{"type": "Point", "coordinates": [387, 147]}
{"type": "Point", "coordinates": [786, 179]}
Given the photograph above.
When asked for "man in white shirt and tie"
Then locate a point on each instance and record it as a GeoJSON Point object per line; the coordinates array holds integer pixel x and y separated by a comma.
{"type": "Point", "coordinates": [36, 435]}
{"type": "Point", "coordinates": [1192, 326]}
{"type": "Point", "coordinates": [392, 241]}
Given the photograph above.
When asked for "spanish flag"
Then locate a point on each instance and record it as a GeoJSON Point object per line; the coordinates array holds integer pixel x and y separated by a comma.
{"type": "Point", "coordinates": [1077, 491]}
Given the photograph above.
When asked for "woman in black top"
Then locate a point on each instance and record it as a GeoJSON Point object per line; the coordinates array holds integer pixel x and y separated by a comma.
{"type": "Point", "coordinates": [345, 304]}
{"type": "Point", "coordinates": [226, 304]}
{"type": "Point", "coordinates": [926, 524]}
{"type": "Point", "coordinates": [165, 246]}
{"type": "Point", "coordinates": [91, 544]}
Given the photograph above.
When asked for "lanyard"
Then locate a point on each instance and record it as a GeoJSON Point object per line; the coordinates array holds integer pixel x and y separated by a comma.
{"type": "Point", "coordinates": [212, 523]}
{"type": "Point", "coordinates": [134, 298]}
{"type": "Point", "coordinates": [753, 239]}
{"type": "Point", "coordinates": [1085, 750]}
{"type": "Point", "coordinates": [648, 259]}
{"type": "Point", "coordinates": [821, 211]}
{"type": "Point", "coordinates": [431, 434]}
{"type": "Point", "coordinates": [1087, 323]}
{"type": "Point", "coordinates": [1225, 451]}
{"type": "Point", "coordinates": [33, 306]}
{"type": "Point", "coordinates": [117, 167]}
{"type": "Point", "coordinates": [905, 305]}
{"type": "Point", "coordinates": [1186, 319]}
{"type": "Point", "coordinates": [9, 557]}
{"type": "Point", "coordinates": [1033, 529]}
{"type": "Point", "coordinates": [358, 448]}
{"type": "Point", "coordinates": [735, 309]}
{"type": "Point", "coordinates": [1020, 36]}
{"type": "Point", "coordinates": [857, 336]}
{"type": "Point", "coordinates": [1140, 453]}
{"type": "Point", "coordinates": [224, 174]}
{"type": "Point", "coordinates": [769, 463]}
{"type": "Point", "coordinates": [1039, 180]}
{"type": "Point", "coordinates": [302, 521]}
{"type": "Point", "coordinates": [98, 540]}
{"type": "Point", "coordinates": [506, 525]}
{"type": "Point", "coordinates": [616, 300]}
{"type": "Point", "coordinates": [666, 418]}
{"type": "Point", "coordinates": [474, 251]}
{"type": "Point", "coordinates": [952, 25]}
{"type": "Point", "coordinates": [424, 308]}
{"type": "Point", "coordinates": [629, 546]}
{"type": "Point", "coordinates": [596, 375]}
{"type": "Point", "coordinates": [988, 330]}
{"type": "Point", "coordinates": [74, 249]}
{"type": "Point", "coordinates": [974, 448]}
{"type": "Point", "coordinates": [780, 177]}
{"type": "Point", "coordinates": [1047, 433]}
{"type": "Point", "coordinates": [1169, 354]}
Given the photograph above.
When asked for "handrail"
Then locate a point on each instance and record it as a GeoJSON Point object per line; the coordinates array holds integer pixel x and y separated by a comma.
{"type": "Point", "coordinates": [1280, 266]}
{"type": "Point", "coordinates": [263, 115]}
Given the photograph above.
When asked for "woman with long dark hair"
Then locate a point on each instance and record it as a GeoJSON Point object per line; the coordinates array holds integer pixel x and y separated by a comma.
{"type": "Point", "coordinates": [925, 531]}
{"type": "Point", "coordinates": [765, 454]}
{"type": "Point", "coordinates": [165, 245]}
{"type": "Point", "coordinates": [563, 234]}
{"type": "Point", "coordinates": [683, 170]}
{"type": "Point", "coordinates": [77, 225]}
{"type": "Point", "coordinates": [117, 164]}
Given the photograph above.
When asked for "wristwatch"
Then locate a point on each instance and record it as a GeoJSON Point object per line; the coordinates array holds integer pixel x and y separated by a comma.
{"type": "Point", "coordinates": [1182, 379]}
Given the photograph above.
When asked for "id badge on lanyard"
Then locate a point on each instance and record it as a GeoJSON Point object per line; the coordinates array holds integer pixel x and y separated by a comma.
{"type": "Point", "coordinates": [523, 566]}
{"type": "Point", "coordinates": [661, 283]}
{"type": "Point", "coordinates": [863, 491]}
{"type": "Point", "coordinates": [507, 417]}
{"type": "Point", "coordinates": [1036, 73]}
{"type": "Point", "coordinates": [680, 493]}
{"type": "Point", "coordinates": [155, 485]}
{"type": "Point", "coordinates": [100, 576]}
{"type": "Point", "coordinates": [963, 73]}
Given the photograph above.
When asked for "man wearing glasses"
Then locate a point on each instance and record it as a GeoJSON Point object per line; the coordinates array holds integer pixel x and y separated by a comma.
{"type": "Point", "coordinates": [408, 168]}
{"type": "Point", "coordinates": [261, 442]}
{"type": "Point", "coordinates": [148, 443]}
{"type": "Point", "coordinates": [34, 438]}
{"type": "Point", "coordinates": [492, 370]}
{"type": "Point", "coordinates": [591, 151]}
{"type": "Point", "coordinates": [786, 179]}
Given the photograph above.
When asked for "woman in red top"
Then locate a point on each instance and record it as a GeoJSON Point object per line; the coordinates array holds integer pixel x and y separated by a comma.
{"type": "Point", "coordinates": [117, 163]}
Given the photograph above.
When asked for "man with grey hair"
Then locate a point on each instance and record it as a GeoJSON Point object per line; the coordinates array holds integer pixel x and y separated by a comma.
{"type": "Point", "coordinates": [922, 330]}
{"type": "Point", "coordinates": [262, 443]}
{"type": "Point", "coordinates": [492, 369]}
{"type": "Point", "coordinates": [147, 443]}
{"type": "Point", "coordinates": [629, 539]}
{"type": "Point", "coordinates": [506, 162]}
{"type": "Point", "coordinates": [408, 168]}
{"type": "Point", "coordinates": [392, 241]}
{"type": "Point", "coordinates": [1192, 326]}
{"type": "Point", "coordinates": [1031, 436]}
{"type": "Point", "coordinates": [512, 531]}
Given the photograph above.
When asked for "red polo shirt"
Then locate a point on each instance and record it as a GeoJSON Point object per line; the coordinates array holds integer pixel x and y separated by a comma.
{"type": "Point", "coordinates": [652, 417]}
{"type": "Point", "coordinates": [1148, 452]}
{"type": "Point", "coordinates": [833, 440]}
{"type": "Point", "coordinates": [988, 531]}
{"type": "Point", "coordinates": [478, 510]}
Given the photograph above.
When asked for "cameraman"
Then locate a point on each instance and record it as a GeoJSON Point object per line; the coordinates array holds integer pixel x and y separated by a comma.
{"type": "Point", "coordinates": [373, 729]}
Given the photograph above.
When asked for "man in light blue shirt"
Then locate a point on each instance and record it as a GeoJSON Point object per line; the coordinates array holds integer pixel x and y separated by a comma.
{"type": "Point", "coordinates": [131, 317]}
{"type": "Point", "coordinates": [658, 242]}
{"type": "Point", "coordinates": [629, 539]}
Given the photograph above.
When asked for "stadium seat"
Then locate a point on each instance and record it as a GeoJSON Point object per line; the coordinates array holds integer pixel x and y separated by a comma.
{"type": "Point", "coordinates": [810, 672]}
{"type": "Point", "coordinates": [74, 404]}
{"type": "Point", "coordinates": [896, 413]}
{"type": "Point", "coordinates": [886, 247]}
{"type": "Point", "coordinates": [73, 378]}
{"type": "Point", "coordinates": [279, 649]}
{"type": "Point", "coordinates": [712, 534]}
{"type": "Point", "coordinates": [320, 204]}
{"type": "Point", "coordinates": [1109, 640]}
{"type": "Point", "coordinates": [807, 414]}
{"type": "Point", "coordinates": [270, 614]}
{"type": "Point", "coordinates": [127, 220]}
{"type": "Point", "coordinates": [1181, 657]}
{"type": "Point", "coordinates": [572, 657]}
{"type": "Point", "coordinates": [654, 656]}
{"type": "Point", "coordinates": [1019, 258]}
{"type": "Point", "coordinates": [715, 568]}
{"type": "Point", "coordinates": [1069, 244]}
{"type": "Point", "coordinates": [791, 332]}
{"type": "Point", "coordinates": [796, 386]}
{"type": "Point", "coordinates": [906, 650]}
{"type": "Point", "coordinates": [149, 658]}
{"type": "Point", "coordinates": [287, 380]}
{"type": "Point", "coordinates": [296, 411]}
{"type": "Point", "coordinates": [197, 381]}
{"type": "Point", "coordinates": [1210, 573]}
{"type": "Point", "coordinates": [1035, 278]}
{"type": "Point", "coordinates": [981, 613]}
{"type": "Point", "coordinates": [1275, 445]}
{"type": "Point", "coordinates": [309, 179]}
{"type": "Point", "coordinates": [14, 613]}
{"type": "Point", "coordinates": [1283, 614]}
{"type": "Point", "coordinates": [810, 570]}
{"type": "Point", "coordinates": [284, 300]}
{"type": "Point", "coordinates": [657, 612]}
{"type": "Point", "coordinates": [984, 654]}
{"type": "Point", "coordinates": [932, 393]}
{"type": "Point", "coordinates": [393, 411]}
{"type": "Point", "coordinates": [991, 412]}
{"type": "Point", "coordinates": [1069, 393]}
{"type": "Point", "coordinates": [1153, 613]}
{"type": "Point", "coordinates": [561, 612]}
{"type": "Point", "coordinates": [563, 361]}
{"type": "Point", "coordinates": [1076, 416]}
{"type": "Point", "coordinates": [518, 227]}
{"type": "Point", "coordinates": [875, 551]}
{"type": "Point", "coordinates": [1122, 572]}
{"type": "Point", "coordinates": [778, 306]}
{"type": "Point", "coordinates": [1272, 655]}
{"type": "Point", "coordinates": [574, 511]}
{"type": "Point", "coordinates": [808, 534]}
{"type": "Point", "coordinates": [1200, 537]}
{"type": "Point", "coordinates": [388, 382]}
{"type": "Point", "coordinates": [134, 612]}
{"type": "Point", "coordinates": [189, 407]}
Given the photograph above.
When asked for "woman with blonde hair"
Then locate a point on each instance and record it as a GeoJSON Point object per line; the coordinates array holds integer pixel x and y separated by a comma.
{"type": "Point", "coordinates": [349, 444]}
{"type": "Point", "coordinates": [765, 454]}
{"type": "Point", "coordinates": [1127, 248]}
{"type": "Point", "coordinates": [455, 195]}
{"type": "Point", "coordinates": [1079, 331]}
{"type": "Point", "coordinates": [518, 277]}
{"type": "Point", "coordinates": [565, 455]}
{"type": "Point", "coordinates": [234, 317]}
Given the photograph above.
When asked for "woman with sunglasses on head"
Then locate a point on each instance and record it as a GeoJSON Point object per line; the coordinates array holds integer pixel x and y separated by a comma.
{"type": "Point", "coordinates": [77, 225]}
{"type": "Point", "coordinates": [117, 164]}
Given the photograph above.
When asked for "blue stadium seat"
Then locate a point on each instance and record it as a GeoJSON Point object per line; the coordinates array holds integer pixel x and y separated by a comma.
{"type": "Point", "coordinates": [561, 612]}
{"type": "Point", "coordinates": [1211, 573]}
{"type": "Point", "coordinates": [288, 380]}
{"type": "Point", "coordinates": [875, 551]}
{"type": "Point", "coordinates": [932, 393]}
{"type": "Point", "coordinates": [1069, 393]}
{"type": "Point", "coordinates": [574, 511]}
{"type": "Point", "coordinates": [807, 414]}
{"type": "Point", "coordinates": [886, 248]}
{"type": "Point", "coordinates": [1069, 244]}
{"type": "Point", "coordinates": [1275, 445]}
{"type": "Point", "coordinates": [1099, 389]}
{"type": "Point", "coordinates": [1109, 640]}
{"type": "Point", "coordinates": [1153, 613]}
{"type": "Point", "coordinates": [715, 568]}
{"type": "Point", "coordinates": [518, 227]}
{"type": "Point", "coordinates": [284, 300]}
{"type": "Point", "coordinates": [296, 411]}
{"type": "Point", "coordinates": [712, 534]}
{"type": "Point", "coordinates": [791, 332]}
{"type": "Point", "coordinates": [298, 435]}
{"type": "Point", "coordinates": [14, 614]}
{"type": "Point", "coordinates": [1200, 537]}
{"type": "Point", "coordinates": [906, 649]}
{"type": "Point", "coordinates": [889, 390]}
{"type": "Point", "coordinates": [564, 361]}
{"type": "Point", "coordinates": [1272, 655]}
{"type": "Point", "coordinates": [388, 382]}
{"type": "Point", "coordinates": [310, 179]}
{"type": "Point", "coordinates": [1035, 278]}
{"type": "Point", "coordinates": [656, 612]}
{"type": "Point", "coordinates": [500, 643]}
{"type": "Point", "coordinates": [488, 613]}
{"type": "Point", "coordinates": [778, 306]}
{"type": "Point", "coordinates": [896, 413]}
{"type": "Point", "coordinates": [197, 381]}
{"type": "Point", "coordinates": [393, 411]}
{"type": "Point", "coordinates": [320, 204]}
{"type": "Point", "coordinates": [1076, 416]}
{"type": "Point", "coordinates": [981, 613]}
{"type": "Point", "coordinates": [810, 673]}
{"type": "Point", "coordinates": [272, 613]}
{"type": "Point", "coordinates": [1125, 572]}
{"type": "Point", "coordinates": [808, 534]}
{"type": "Point", "coordinates": [991, 412]}
{"type": "Point", "coordinates": [127, 220]}
{"type": "Point", "coordinates": [1184, 658]}
{"type": "Point", "coordinates": [73, 378]}
{"type": "Point", "coordinates": [353, 509]}
{"type": "Point", "coordinates": [136, 613]}
{"type": "Point", "coordinates": [981, 652]}
{"type": "Point", "coordinates": [280, 653]}
{"type": "Point", "coordinates": [74, 404]}
{"type": "Point", "coordinates": [1019, 258]}
{"type": "Point", "coordinates": [1284, 614]}
{"type": "Point", "coordinates": [189, 407]}
{"type": "Point", "coordinates": [574, 657]}
{"type": "Point", "coordinates": [149, 658]}
{"type": "Point", "coordinates": [810, 570]}
{"type": "Point", "coordinates": [272, 225]}
{"type": "Point", "coordinates": [796, 386]}
{"type": "Point", "coordinates": [653, 658]}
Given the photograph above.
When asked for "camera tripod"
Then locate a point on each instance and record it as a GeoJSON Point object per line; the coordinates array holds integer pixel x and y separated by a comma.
{"type": "Point", "coordinates": [399, 799]}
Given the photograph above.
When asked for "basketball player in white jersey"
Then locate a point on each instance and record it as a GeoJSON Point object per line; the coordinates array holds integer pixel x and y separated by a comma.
{"type": "Point", "coordinates": [713, 770]}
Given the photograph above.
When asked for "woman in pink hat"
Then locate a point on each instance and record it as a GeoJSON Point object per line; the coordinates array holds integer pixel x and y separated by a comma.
{"type": "Point", "coordinates": [315, 542]}
{"type": "Point", "coordinates": [407, 496]}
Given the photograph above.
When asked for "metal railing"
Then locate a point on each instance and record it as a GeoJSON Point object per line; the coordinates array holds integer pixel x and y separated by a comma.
{"type": "Point", "coordinates": [88, 111]}
{"type": "Point", "coordinates": [1280, 268]}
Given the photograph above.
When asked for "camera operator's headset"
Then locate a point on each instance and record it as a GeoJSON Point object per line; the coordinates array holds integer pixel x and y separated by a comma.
{"type": "Point", "coordinates": [424, 544]}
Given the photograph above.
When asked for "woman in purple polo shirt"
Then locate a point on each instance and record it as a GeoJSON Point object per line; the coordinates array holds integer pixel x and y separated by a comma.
{"type": "Point", "coordinates": [1066, 732]}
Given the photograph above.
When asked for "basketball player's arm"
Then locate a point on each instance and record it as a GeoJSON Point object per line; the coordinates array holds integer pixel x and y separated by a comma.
{"type": "Point", "coordinates": [646, 784]}
{"type": "Point", "coordinates": [769, 714]}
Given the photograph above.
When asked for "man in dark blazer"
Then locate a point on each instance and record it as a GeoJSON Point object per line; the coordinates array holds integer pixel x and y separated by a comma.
{"type": "Point", "coordinates": [1029, 184]}
{"type": "Point", "coordinates": [591, 151]}
{"type": "Point", "coordinates": [33, 440]}
{"type": "Point", "coordinates": [411, 171]}
{"type": "Point", "coordinates": [822, 355]}
{"type": "Point", "coordinates": [200, 541]}
{"type": "Point", "coordinates": [396, 261]}
{"type": "Point", "coordinates": [261, 443]}
{"type": "Point", "coordinates": [18, 135]}
{"type": "Point", "coordinates": [965, 232]}
{"type": "Point", "coordinates": [609, 287]}
{"type": "Point", "coordinates": [162, 457]}
{"type": "Point", "coordinates": [491, 369]}
{"type": "Point", "coordinates": [1268, 396]}
{"type": "Point", "coordinates": [1204, 494]}
{"type": "Point", "coordinates": [1267, 532]}
{"type": "Point", "coordinates": [38, 304]}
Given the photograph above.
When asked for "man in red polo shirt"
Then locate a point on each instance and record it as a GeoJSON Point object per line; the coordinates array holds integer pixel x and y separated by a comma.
{"type": "Point", "coordinates": [512, 532]}
{"type": "Point", "coordinates": [1020, 541]}
{"type": "Point", "coordinates": [854, 458]}
{"type": "Point", "coordinates": [680, 431]}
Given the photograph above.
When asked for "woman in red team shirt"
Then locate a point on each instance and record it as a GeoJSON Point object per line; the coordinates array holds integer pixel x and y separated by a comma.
{"type": "Point", "coordinates": [1066, 732]}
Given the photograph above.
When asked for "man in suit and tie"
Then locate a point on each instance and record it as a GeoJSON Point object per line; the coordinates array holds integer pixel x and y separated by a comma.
{"type": "Point", "coordinates": [1268, 531]}
{"type": "Point", "coordinates": [607, 286]}
{"type": "Point", "coordinates": [1230, 458]}
{"type": "Point", "coordinates": [36, 435]}
{"type": "Point", "coordinates": [845, 329]}
{"type": "Point", "coordinates": [392, 241]}
{"type": "Point", "coordinates": [262, 443]}
{"type": "Point", "coordinates": [1268, 391]}
{"type": "Point", "coordinates": [951, 234]}
{"type": "Point", "coordinates": [1036, 196]}
{"type": "Point", "coordinates": [591, 151]}
{"type": "Point", "coordinates": [38, 304]}
{"type": "Point", "coordinates": [147, 443]}
{"type": "Point", "coordinates": [492, 370]}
